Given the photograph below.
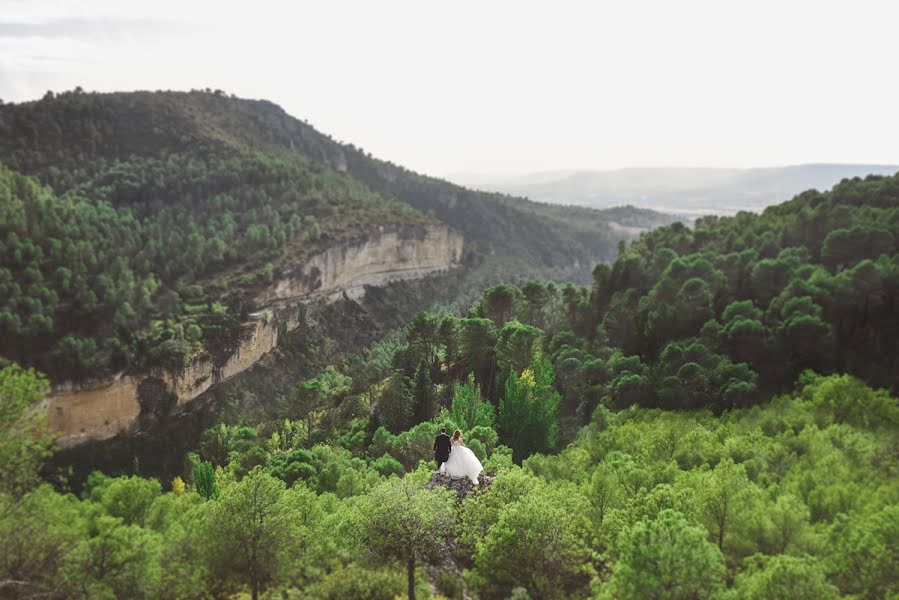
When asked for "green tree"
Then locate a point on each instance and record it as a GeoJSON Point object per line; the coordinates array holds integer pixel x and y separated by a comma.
{"type": "Point", "coordinates": [40, 532]}
{"type": "Point", "coordinates": [515, 346]}
{"type": "Point", "coordinates": [782, 577]}
{"type": "Point", "coordinates": [535, 297]}
{"type": "Point", "coordinates": [478, 349]}
{"type": "Point", "coordinates": [498, 303]}
{"type": "Point", "coordinates": [423, 400]}
{"type": "Point", "coordinates": [249, 528]}
{"type": "Point", "coordinates": [604, 493]}
{"type": "Point", "coordinates": [784, 523]}
{"type": "Point", "coordinates": [128, 498]}
{"type": "Point", "coordinates": [24, 439]}
{"type": "Point", "coordinates": [118, 561]}
{"type": "Point", "coordinates": [311, 396]}
{"type": "Point", "coordinates": [864, 554]}
{"type": "Point", "coordinates": [528, 418]}
{"type": "Point", "coordinates": [423, 336]}
{"type": "Point", "coordinates": [395, 405]}
{"type": "Point", "coordinates": [723, 498]}
{"type": "Point", "coordinates": [665, 558]}
{"type": "Point", "coordinates": [468, 409]}
{"type": "Point", "coordinates": [402, 521]}
{"type": "Point", "coordinates": [204, 480]}
{"type": "Point", "coordinates": [356, 582]}
{"type": "Point", "coordinates": [448, 334]}
{"type": "Point", "coordinates": [536, 543]}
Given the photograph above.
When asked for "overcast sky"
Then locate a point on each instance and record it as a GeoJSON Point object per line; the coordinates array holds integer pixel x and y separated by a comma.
{"type": "Point", "coordinates": [494, 86]}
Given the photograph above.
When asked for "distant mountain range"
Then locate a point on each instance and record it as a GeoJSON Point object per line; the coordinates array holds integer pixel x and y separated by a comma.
{"type": "Point", "coordinates": [683, 191]}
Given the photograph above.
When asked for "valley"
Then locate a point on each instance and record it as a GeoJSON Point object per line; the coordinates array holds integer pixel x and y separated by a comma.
{"type": "Point", "coordinates": [228, 342]}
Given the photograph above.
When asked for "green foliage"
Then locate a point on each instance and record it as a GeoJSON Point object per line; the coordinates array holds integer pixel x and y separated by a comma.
{"type": "Point", "coordinates": [797, 497]}
{"type": "Point", "coordinates": [723, 498]}
{"type": "Point", "coordinates": [402, 521]}
{"type": "Point", "coordinates": [666, 558]}
{"type": "Point", "coordinates": [864, 556]}
{"type": "Point", "coordinates": [423, 400]}
{"type": "Point", "coordinates": [782, 577]}
{"type": "Point", "coordinates": [387, 465]}
{"type": "Point", "coordinates": [249, 529]}
{"type": "Point", "coordinates": [468, 409]}
{"type": "Point", "coordinates": [478, 342]}
{"type": "Point", "coordinates": [127, 498]}
{"type": "Point", "coordinates": [60, 271]}
{"type": "Point", "coordinates": [535, 543]}
{"type": "Point", "coordinates": [204, 480]}
{"type": "Point", "coordinates": [312, 396]}
{"type": "Point", "coordinates": [24, 441]}
{"type": "Point", "coordinates": [293, 465]}
{"type": "Point", "coordinates": [528, 411]}
{"type": "Point", "coordinates": [356, 582]}
{"type": "Point", "coordinates": [729, 312]}
{"type": "Point", "coordinates": [499, 302]}
{"type": "Point", "coordinates": [395, 405]}
{"type": "Point", "coordinates": [515, 346]}
{"type": "Point", "coordinates": [40, 534]}
{"type": "Point", "coordinates": [117, 561]}
{"type": "Point", "coordinates": [846, 399]}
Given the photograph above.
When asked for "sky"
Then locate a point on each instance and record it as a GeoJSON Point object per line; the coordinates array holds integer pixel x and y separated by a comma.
{"type": "Point", "coordinates": [503, 87]}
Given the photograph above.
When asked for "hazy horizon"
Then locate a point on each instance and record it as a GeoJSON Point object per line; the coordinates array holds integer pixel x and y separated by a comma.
{"type": "Point", "coordinates": [685, 191]}
{"type": "Point", "coordinates": [659, 167]}
{"type": "Point", "coordinates": [505, 87]}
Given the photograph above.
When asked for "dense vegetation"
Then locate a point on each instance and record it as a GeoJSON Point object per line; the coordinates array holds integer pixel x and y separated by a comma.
{"type": "Point", "coordinates": [166, 210]}
{"type": "Point", "coordinates": [707, 420]}
{"type": "Point", "coordinates": [794, 499]}
{"type": "Point", "coordinates": [115, 274]}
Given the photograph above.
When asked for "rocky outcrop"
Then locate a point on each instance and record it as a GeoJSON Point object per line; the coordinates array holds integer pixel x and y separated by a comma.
{"type": "Point", "coordinates": [98, 410]}
{"type": "Point", "coordinates": [388, 255]}
{"type": "Point", "coordinates": [463, 487]}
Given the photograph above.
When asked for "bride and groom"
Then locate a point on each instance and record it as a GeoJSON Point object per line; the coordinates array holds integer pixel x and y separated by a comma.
{"type": "Point", "coordinates": [454, 458]}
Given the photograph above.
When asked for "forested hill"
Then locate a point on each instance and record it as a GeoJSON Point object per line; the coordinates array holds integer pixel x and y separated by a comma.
{"type": "Point", "coordinates": [166, 211]}
{"type": "Point", "coordinates": [736, 306]}
{"type": "Point", "coordinates": [71, 137]}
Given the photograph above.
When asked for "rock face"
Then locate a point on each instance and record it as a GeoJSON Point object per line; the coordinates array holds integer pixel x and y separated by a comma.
{"type": "Point", "coordinates": [463, 487]}
{"type": "Point", "coordinates": [98, 410]}
{"type": "Point", "coordinates": [388, 255]}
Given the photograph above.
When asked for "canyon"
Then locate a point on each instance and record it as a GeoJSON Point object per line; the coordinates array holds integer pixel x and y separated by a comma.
{"type": "Point", "coordinates": [92, 410]}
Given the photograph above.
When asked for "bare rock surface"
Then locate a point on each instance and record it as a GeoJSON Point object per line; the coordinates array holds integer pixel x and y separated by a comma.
{"type": "Point", "coordinates": [463, 487]}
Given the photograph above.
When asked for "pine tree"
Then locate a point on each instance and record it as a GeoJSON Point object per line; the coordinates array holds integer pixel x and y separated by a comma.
{"type": "Point", "coordinates": [395, 406]}
{"type": "Point", "coordinates": [423, 401]}
{"type": "Point", "coordinates": [204, 480]}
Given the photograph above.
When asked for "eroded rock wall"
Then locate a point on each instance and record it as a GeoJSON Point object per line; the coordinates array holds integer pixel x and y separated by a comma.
{"type": "Point", "coordinates": [99, 410]}
{"type": "Point", "coordinates": [389, 255]}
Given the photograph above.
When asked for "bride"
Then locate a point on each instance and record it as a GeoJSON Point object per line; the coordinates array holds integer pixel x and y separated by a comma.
{"type": "Point", "coordinates": [462, 461]}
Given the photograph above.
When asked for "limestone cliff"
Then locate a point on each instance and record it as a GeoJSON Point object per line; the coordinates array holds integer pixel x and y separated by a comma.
{"type": "Point", "coordinates": [100, 410]}
{"type": "Point", "coordinates": [390, 255]}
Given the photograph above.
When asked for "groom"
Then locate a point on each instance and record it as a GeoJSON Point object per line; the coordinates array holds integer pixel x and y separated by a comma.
{"type": "Point", "coordinates": [442, 447]}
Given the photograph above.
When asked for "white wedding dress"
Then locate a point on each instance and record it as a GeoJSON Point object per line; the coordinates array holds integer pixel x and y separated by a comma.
{"type": "Point", "coordinates": [462, 463]}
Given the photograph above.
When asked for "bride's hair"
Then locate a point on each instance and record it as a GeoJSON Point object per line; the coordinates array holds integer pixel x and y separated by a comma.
{"type": "Point", "coordinates": [457, 434]}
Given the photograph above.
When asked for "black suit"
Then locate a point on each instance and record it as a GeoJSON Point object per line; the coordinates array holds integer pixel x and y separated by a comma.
{"type": "Point", "coordinates": [442, 449]}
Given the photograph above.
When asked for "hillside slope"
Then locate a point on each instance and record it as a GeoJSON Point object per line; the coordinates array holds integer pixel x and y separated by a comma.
{"type": "Point", "coordinates": [65, 139]}
{"type": "Point", "coordinates": [168, 215]}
